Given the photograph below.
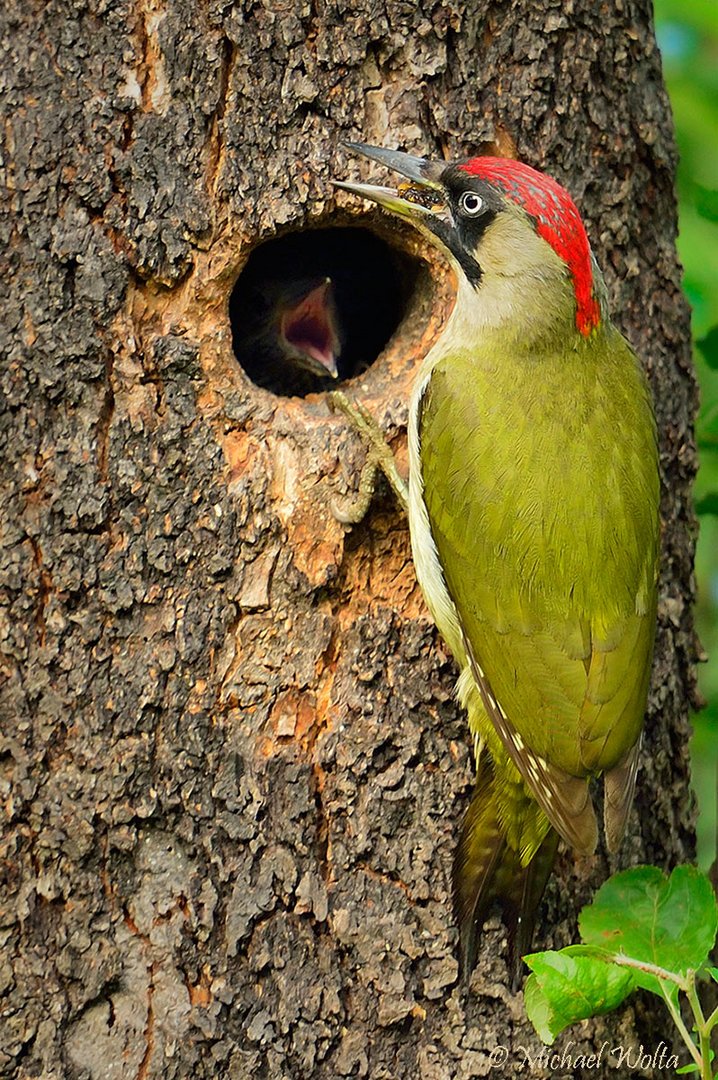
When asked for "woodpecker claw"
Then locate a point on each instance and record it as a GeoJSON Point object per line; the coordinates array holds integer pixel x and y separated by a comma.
{"type": "Point", "coordinates": [380, 456]}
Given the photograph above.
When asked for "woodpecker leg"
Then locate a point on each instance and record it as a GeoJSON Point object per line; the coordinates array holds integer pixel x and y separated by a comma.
{"type": "Point", "coordinates": [379, 456]}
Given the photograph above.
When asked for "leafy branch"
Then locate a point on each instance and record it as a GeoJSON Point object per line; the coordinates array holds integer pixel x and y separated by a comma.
{"type": "Point", "coordinates": [642, 930]}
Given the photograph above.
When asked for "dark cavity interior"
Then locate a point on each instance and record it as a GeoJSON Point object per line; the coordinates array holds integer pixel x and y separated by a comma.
{"type": "Point", "coordinates": [312, 309]}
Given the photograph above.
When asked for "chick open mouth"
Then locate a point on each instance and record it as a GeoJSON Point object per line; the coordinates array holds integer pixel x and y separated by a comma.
{"type": "Point", "coordinates": [309, 327]}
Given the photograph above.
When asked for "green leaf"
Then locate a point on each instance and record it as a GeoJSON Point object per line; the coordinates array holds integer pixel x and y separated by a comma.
{"type": "Point", "coordinates": [538, 1010]}
{"type": "Point", "coordinates": [707, 203]}
{"type": "Point", "coordinates": [571, 985]}
{"type": "Point", "coordinates": [713, 972]}
{"type": "Point", "coordinates": [668, 922]}
{"type": "Point", "coordinates": [709, 347]}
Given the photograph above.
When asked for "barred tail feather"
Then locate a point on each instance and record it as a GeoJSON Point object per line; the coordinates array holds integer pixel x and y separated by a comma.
{"type": "Point", "coordinates": [479, 850]}
{"type": "Point", "coordinates": [521, 904]}
{"type": "Point", "coordinates": [488, 868]}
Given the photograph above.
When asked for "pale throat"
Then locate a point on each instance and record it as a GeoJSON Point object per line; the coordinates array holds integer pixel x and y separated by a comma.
{"type": "Point", "coordinates": [535, 299]}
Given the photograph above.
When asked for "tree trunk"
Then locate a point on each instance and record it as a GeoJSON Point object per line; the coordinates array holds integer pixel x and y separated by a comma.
{"type": "Point", "coordinates": [233, 766]}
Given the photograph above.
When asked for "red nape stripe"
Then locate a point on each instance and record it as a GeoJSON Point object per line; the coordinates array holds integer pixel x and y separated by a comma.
{"type": "Point", "coordinates": [557, 221]}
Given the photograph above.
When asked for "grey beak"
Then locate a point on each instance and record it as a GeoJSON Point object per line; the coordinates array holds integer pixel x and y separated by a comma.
{"type": "Point", "coordinates": [418, 169]}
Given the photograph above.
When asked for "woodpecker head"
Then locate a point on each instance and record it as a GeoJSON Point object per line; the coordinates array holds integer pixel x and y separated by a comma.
{"type": "Point", "coordinates": [495, 219]}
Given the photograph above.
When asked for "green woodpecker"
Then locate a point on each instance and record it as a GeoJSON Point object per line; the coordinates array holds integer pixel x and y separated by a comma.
{"type": "Point", "coordinates": [287, 334]}
{"type": "Point", "coordinates": [533, 512]}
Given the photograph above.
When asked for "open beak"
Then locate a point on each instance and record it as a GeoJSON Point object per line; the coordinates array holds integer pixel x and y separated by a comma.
{"type": "Point", "coordinates": [421, 200]}
{"type": "Point", "coordinates": [309, 327]}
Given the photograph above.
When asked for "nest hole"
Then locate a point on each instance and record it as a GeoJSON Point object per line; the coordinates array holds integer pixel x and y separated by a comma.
{"type": "Point", "coordinates": [315, 308]}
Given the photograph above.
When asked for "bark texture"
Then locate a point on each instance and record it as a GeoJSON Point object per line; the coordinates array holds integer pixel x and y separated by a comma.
{"type": "Point", "coordinates": [232, 766]}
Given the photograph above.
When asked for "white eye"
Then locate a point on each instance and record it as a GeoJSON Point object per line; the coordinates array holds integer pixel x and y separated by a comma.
{"type": "Point", "coordinates": [471, 203]}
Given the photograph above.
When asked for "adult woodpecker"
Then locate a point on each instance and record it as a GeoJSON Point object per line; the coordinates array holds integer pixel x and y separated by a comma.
{"type": "Point", "coordinates": [287, 333]}
{"type": "Point", "coordinates": [533, 512]}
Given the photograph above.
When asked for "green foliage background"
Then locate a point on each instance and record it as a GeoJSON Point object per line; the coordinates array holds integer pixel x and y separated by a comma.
{"type": "Point", "coordinates": [687, 33]}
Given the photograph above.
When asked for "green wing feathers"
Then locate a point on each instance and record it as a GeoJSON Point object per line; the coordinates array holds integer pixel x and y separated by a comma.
{"type": "Point", "coordinates": [564, 798]}
{"type": "Point", "coordinates": [545, 523]}
{"type": "Point", "coordinates": [546, 528]}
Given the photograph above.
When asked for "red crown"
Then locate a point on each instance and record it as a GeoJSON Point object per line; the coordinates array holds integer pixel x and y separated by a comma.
{"type": "Point", "coordinates": [557, 221]}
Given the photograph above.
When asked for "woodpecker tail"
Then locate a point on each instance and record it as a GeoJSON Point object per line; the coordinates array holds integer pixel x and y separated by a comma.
{"type": "Point", "coordinates": [506, 852]}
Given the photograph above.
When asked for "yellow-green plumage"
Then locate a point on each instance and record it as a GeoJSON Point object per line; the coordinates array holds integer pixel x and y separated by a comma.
{"type": "Point", "coordinates": [542, 502]}
{"type": "Point", "coordinates": [544, 518]}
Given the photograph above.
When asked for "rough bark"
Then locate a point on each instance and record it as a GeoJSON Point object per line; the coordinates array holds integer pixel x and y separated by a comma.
{"type": "Point", "coordinates": [232, 764]}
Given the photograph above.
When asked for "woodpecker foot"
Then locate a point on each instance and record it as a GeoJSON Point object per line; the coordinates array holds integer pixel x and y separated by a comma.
{"type": "Point", "coordinates": [379, 456]}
